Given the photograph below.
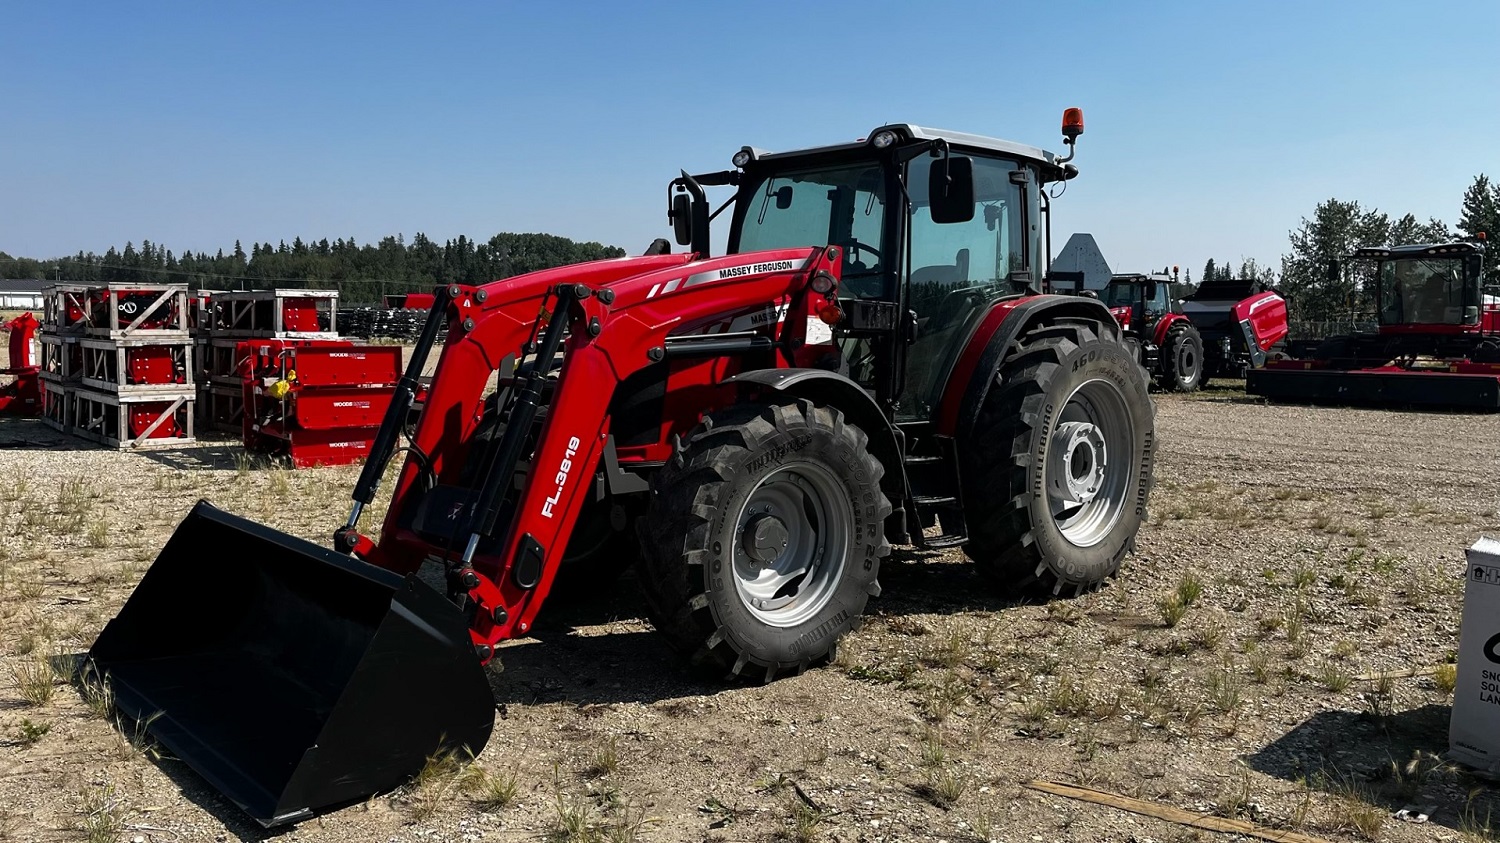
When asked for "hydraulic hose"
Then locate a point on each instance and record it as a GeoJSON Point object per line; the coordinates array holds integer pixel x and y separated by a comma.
{"type": "Point", "coordinates": [395, 414]}
{"type": "Point", "coordinates": [518, 425]}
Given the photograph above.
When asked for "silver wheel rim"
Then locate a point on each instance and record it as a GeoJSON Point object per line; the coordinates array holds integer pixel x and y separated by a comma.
{"type": "Point", "coordinates": [790, 544]}
{"type": "Point", "coordinates": [1090, 462]}
{"type": "Point", "coordinates": [1187, 362]}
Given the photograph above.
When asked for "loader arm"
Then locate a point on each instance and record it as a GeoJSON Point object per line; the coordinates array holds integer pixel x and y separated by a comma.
{"type": "Point", "coordinates": [620, 319]}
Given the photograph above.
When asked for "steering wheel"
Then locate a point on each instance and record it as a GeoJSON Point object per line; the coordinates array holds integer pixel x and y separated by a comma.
{"type": "Point", "coordinates": [854, 247]}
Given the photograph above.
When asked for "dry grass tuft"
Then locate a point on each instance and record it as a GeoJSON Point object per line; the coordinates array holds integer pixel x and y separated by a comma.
{"type": "Point", "coordinates": [35, 680]}
{"type": "Point", "coordinates": [103, 815]}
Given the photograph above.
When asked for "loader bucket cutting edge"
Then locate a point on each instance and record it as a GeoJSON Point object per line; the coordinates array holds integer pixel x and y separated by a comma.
{"type": "Point", "coordinates": [292, 678]}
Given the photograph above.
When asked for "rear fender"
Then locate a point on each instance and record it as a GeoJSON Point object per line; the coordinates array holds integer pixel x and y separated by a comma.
{"type": "Point", "coordinates": [1165, 324]}
{"type": "Point", "coordinates": [994, 340]}
{"type": "Point", "coordinates": [835, 390]}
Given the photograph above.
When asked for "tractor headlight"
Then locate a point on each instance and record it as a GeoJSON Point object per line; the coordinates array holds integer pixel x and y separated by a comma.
{"type": "Point", "coordinates": [883, 139]}
{"type": "Point", "coordinates": [743, 157]}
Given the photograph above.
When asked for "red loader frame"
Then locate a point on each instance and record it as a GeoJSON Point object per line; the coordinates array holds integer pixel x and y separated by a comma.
{"type": "Point", "coordinates": [617, 315]}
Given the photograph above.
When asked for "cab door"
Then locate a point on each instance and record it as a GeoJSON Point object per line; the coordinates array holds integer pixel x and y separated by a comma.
{"type": "Point", "coordinates": [955, 272]}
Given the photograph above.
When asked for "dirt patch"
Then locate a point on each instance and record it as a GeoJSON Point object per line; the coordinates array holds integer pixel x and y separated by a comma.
{"type": "Point", "coordinates": [1290, 550]}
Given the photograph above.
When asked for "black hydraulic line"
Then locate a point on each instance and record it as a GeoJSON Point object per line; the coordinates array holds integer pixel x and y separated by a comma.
{"type": "Point", "coordinates": [523, 410]}
{"type": "Point", "coordinates": [395, 414]}
{"type": "Point", "coordinates": [715, 346]}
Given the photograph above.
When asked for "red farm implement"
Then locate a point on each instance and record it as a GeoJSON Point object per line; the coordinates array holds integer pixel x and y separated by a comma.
{"type": "Point", "coordinates": [22, 394]}
{"type": "Point", "coordinates": [317, 402]}
{"type": "Point", "coordinates": [1437, 342]}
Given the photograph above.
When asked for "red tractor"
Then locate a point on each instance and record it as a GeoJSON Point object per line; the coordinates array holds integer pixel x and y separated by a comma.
{"type": "Point", "coordinates": [1165, 340]}
{"type": "Point", "coordinates": [872, 363]}
{"type": "Point", "coordinates": [1437, 340]}
{"type": "Point", "coordinates": [1223, 330]}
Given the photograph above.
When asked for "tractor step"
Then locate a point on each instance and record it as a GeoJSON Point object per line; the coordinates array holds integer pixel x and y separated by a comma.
{"type": "Point", "coordinates": [944, 541]}
{"type": "Point", "coordinates": [933, 481]}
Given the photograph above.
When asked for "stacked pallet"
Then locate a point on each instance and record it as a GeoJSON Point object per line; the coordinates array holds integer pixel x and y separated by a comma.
{"type": "Point", "coordinates": [276, 372]}
{"type": "Point", "coordinates": [117, 363]}
{"type": "Point", "coordinates": [224, 320]}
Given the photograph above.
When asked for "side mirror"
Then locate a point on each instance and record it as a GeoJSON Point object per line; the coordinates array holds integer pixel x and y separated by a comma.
{"type": "Point", "coordinates": [950, 189]}
{"type": "Point", "coordinates": [1334, 270]}
{"type": "Point", "coordinates": [783, 197]}
{"type": "Point", "coordinates": [682, 219]}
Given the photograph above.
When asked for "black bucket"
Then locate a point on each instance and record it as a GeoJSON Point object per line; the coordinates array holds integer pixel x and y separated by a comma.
{"type": "Point", "coordinates": [292, 678]}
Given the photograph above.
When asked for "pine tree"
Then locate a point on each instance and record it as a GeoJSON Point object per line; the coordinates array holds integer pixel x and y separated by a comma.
{"type": "Point", "coordinates": [1480, 213]}
{"type": "Point", "coordinates": [1335, 230]}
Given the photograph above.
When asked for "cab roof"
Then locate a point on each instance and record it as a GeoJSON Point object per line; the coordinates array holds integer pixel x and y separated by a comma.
{"type": "Point", "coordinates": [1420, 250]}
{"type": "Point", "coordinates": [957, 140]}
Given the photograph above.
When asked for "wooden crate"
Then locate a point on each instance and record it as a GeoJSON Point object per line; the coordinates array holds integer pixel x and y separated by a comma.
{"type": "Point", "coordinates": [116, 311]}
{"type": "Point", "coordinates": [221, 362]}
{"type": "Point", "coordinates": [200, 304]}
{"type": "Point", "coordinates": [139, 311]}
{"type": "Point", "coordinates": [65, 309]}
{"type": "Point", "coordinates": [62, 357]}
{"type": "Point", "coordinates": [222, 408]}
{"type": "Point", "coordinates": [57, 405]}
{"type": "Point", "coordinates": [143, 366]}
{"type": "Point", "coordinates": [272, 314]}
{"type": "Point", "coordinates": [133, 421]}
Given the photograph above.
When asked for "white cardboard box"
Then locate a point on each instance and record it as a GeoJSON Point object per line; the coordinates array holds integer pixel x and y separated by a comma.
{"type": "Point", "coordinates": [1474, 731]}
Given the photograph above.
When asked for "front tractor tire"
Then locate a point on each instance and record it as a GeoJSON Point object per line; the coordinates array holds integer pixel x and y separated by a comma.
{"type": "Point", "coordinates": [1182, 360]}
{"type": "Point", "coordinates": [1059, 464]}
{"type": "Point", "coordinates": [763, 539]}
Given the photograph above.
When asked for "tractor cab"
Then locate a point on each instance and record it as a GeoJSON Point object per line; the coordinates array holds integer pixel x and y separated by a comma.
{"type": "Point", "coordinates": [1139, 301]}
{"type": "Point", "coordinates": [933, 228]}
{"type": "Point", "coordinates": [1431, 289]}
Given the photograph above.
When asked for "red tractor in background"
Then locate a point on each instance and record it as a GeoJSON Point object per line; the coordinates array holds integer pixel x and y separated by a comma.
{"type": "Point", "coordinates": [1165, 340]}
{"type": "Point", "coordinates": [1437, 340]}
{"type": "Point", "coordinates": [1223, 330]}
{"type": "Point", "coordinates": [872, 363]}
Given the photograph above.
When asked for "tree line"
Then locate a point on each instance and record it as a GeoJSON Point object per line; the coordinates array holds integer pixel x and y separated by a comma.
{"type": "Point", "coordinates": [362, 273]}
{"type": "Point", "coordinates": [1338, 227]}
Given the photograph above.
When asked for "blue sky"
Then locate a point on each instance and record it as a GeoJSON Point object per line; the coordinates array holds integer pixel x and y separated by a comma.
{"type": "Point", "coordinates": [1212, 127]}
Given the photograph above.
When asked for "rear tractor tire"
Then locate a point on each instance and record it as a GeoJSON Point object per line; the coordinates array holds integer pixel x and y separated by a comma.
{"type": "Point", "coordinates": [1182, 360]}
{"type": "Point", "coordinates": [1059, 467]}
{"type": "Point", "coordinates": [763, 540]}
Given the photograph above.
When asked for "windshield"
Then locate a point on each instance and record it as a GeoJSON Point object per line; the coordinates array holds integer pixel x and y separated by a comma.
{"type": "Point", "coordinates": [843, 206]}
{"type": "Point", "coordinates": [1122, 294]}
{"type": "Point", "coordinates": [1425, 292]}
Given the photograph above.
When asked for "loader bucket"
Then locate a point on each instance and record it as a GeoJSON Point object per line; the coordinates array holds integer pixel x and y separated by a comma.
{"type": "Point", "coordinates": [292, 678]}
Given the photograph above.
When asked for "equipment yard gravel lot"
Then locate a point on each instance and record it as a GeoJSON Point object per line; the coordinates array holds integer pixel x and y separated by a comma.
{"type": "Point", "coordinates": [1291, 549]}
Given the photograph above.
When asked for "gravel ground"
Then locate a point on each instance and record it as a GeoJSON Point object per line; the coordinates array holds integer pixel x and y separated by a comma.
{"type": "Point", "coordinates": [1290, 550]}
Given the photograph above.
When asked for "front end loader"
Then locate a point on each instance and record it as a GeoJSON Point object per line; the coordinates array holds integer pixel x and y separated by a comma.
{"type": "Point", "coordinates": [871, 363]}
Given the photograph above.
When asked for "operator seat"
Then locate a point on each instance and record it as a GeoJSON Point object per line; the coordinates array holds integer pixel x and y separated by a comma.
{"type": "Point", "coordinates": [956, 272]}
